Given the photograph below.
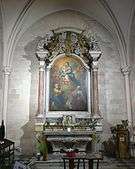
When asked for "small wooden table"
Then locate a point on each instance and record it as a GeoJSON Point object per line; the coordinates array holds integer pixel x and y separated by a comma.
{"type": "Point", "coordinates": [88, 157]}
{"type": "Point", "coordinates": [6, 151]}
{"type": "Point", "coordinates": [71, 160]}
{"type": "Point", "coordinates": [93, 157]}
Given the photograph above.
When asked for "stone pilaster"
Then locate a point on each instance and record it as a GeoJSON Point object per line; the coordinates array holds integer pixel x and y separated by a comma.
{"type": "Point", "coordinates": [6, 73]}
{"type": "Point", "coordinates": [42, 57]}
{"type": "Point", "coordinates": [126, 71]}
{"type": "Point", "coordinates": [94, 82]}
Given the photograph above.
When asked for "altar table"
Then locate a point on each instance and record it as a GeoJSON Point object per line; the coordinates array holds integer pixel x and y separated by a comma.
{"type": "Point", "coordinates": [64, 139]}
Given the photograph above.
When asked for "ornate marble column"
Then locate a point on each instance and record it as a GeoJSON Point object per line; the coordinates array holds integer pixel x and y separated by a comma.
{"type": "Point", "coordinates": [42, 57]}
{"type": "Point", "coordinates": [94, 82]}
{"type": "Point", "coordinates": [6, 73]}
{"type": "Point", "coordinates": [126, 71]}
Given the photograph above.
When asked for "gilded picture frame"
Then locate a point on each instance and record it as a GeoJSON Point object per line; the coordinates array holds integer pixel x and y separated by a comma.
{"type": "Point", "coordinates": [68, 87]}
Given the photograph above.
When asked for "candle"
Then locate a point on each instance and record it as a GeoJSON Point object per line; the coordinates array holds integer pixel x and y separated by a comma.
{"type": "Point", "coordinates": [68, 129]}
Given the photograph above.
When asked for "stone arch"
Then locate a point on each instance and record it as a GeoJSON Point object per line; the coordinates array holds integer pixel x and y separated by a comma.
{"type": "Point", "coordinates": [117, 36]}
{"type": "Point", "coordinates": [132, 42]}
{"type": "Point", "coordinates": [71, 19]}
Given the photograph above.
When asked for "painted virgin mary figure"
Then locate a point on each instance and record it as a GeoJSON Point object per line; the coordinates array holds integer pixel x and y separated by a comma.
{"type": "Point", "coordinates": [68, 73]}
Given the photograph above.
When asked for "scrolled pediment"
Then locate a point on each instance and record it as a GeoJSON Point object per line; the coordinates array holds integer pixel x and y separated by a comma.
{"type": "Point", "coordinates": [66, 41]}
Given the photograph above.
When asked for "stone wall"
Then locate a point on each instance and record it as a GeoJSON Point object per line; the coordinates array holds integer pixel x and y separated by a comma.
{"type": "Point", "coordinates": [23, 84]}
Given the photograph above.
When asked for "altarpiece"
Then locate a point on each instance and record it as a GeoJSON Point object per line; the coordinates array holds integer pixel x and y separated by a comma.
{"type": "Point", "coordinates": [68, 83]}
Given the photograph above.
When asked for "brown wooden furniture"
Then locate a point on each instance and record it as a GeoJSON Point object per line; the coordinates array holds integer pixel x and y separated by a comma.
{"type": "Point", "coordinates": [90, 158]}
{"type": "Point", "coordinates": [94, 157]}
{"type": "Point", "coordinates": [122, 143]}
{"type": "Point", "coordinates": [72, 160]}
{"type": "Point", "coordinates": [6, 152]}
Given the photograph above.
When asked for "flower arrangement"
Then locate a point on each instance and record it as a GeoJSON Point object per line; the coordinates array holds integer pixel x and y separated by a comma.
{"type": "Point", "coordinates": [42, 146]}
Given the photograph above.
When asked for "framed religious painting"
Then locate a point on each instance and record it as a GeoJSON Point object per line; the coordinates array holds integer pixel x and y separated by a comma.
{"type": "Point", "coordinates": [68, 85]}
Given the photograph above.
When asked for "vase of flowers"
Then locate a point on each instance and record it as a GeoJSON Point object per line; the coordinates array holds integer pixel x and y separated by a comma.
{"type": "Point", "coordinates": [42, 147]}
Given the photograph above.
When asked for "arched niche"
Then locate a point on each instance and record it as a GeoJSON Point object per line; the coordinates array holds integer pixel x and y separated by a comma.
{"type": "Point", "coordinates": [58, 88]}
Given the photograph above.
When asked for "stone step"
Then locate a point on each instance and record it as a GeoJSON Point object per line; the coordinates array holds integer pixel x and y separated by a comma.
{"type": "Point", "coordinates": [103, 165]}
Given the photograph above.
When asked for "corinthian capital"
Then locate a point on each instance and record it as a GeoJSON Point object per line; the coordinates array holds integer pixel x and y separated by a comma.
{"type": "Point", "coordinates": [125, 70]}
{"type": "Point", "coordinates": [42, 55]}
{"type": "Point", "coordinates": [95, 55]}
{"type": "Point", "coordinates": [6, 70]}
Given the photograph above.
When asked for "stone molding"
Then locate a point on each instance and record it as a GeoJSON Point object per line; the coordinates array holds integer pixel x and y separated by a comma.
{"type": "Point", "coordinates": [126, 70]}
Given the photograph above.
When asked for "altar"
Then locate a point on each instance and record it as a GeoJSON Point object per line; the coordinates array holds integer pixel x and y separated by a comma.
{"type": "Point", "coordinates": [68, 103]}
{"type": "Point", "coordinates": [68, 140]}
{"type": "Point", "coordinates": [71, 135]}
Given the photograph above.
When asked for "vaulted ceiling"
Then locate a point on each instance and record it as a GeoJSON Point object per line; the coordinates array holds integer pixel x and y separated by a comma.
{"type": "Point", "coordinates": [17, 16]}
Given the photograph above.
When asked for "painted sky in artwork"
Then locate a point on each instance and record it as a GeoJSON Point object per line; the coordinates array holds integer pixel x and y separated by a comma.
{"type": "Point", "coordinates": [68, 85]}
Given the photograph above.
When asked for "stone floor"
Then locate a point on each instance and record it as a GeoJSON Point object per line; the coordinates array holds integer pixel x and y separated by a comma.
{"type": "Point", "coordinates": [105, 164]}
{"type": "Point", "coordinates": [55, 162]}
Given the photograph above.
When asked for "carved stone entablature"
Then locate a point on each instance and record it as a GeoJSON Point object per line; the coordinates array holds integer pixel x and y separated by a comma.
{"type": "Point", "coordinates": [68, 42]}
